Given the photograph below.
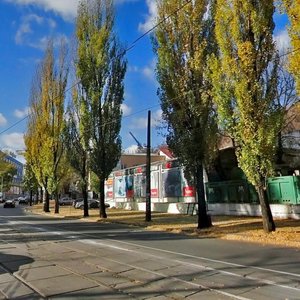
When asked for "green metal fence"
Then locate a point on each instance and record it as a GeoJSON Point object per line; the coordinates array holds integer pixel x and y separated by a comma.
{"type": "Point", "coordinates": [233, 191]}
{"type": "Point", "coordinates": [284, 189]}
{"type": "Point", "coordinates": [281, 190]}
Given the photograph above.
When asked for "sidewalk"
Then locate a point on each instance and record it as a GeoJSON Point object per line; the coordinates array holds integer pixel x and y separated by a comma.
{"type": "Point", "coordinates": [248, 229]}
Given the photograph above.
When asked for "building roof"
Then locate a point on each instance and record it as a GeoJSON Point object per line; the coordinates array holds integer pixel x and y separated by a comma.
{"type": "Point", "coordinates": [165, 150]}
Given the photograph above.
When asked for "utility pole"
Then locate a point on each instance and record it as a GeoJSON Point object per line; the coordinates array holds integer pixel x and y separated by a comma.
{"type": "Point", "coordinates": [148, 170]}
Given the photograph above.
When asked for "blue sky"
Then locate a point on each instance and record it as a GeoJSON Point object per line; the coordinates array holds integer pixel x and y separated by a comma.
{"type": "Point", "coordinates": [27, 24]}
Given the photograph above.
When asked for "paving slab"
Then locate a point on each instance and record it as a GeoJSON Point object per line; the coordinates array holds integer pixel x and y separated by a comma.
{"type": "Point", "coordinates": [41, 273]}
{"type": "Point", "coordinates": [141, 275]}
{"type": "Point", "coordinates": [57, 248]}
{"type": "Point", "coordinates": [13, 266]}
{"type": "Point", "coordinates": [208, 295]}
{"type": "Point", "coordinates": [159, 298]}
{"type": "Point", "coordinates": [155, 264]}
{"type": "Point", "coordinates": [184, 272]}
{"type": "Point", "coordinates": [79, 266]}
{"type": "Point", "coordinates": [4, 246]}
{"type": "Point", "coordinates": [93, 294]}
{"type": "Point", "coordinates": [109, 265]}
{"type": "Point", "coordinates": [15, 289]}
{"type": "Point", "coordinates": [108, 278]}
{"type": "Point", "coordinates": [167, 287]}
{"type": "Point", "coordinates": [128, 258]}
{"type": "Point", "coordinates": [71, 256]}
{"type": "Point", "coordinates": [172, 287]}
{"type": "Point", "coordinates": [272, 292]}
{"type": "Point", "coordinates": [62, 284]}
{"type": "Point", "coordinates": [6, 277]}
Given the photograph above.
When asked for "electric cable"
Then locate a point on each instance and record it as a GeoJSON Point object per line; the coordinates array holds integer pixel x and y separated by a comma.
{"type": "Point", "coordinates": [122, 54]}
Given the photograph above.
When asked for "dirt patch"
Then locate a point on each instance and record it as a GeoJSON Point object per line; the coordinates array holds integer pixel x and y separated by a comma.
{"type": "Point", "coordinates": [248, 229]}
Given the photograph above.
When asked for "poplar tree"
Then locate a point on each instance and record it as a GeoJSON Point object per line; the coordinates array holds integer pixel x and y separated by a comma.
{"type": "Point", "coordinates": [293, 11]}
{"type": "Point", "coordinates": [77, 137]}
{"type": "Point", "coordinates": [45, 128]}
{"type": "Point", "coordinates": [101, 70]}
{"type": "Point", "coordinates": [245, 87]}
{"type": "Point", "coordinates": [34, 136]}
{"type": "Point", "coordinates": [182, 44]}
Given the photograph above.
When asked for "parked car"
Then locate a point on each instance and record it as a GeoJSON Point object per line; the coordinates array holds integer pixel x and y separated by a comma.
{"type": "Point", "coordinates": [76, 201]}
{"type": "Point", "coordinates": [65, 201]}
{"type": "Point", "coordinates": [23, 200]}
{"type": "Point", "coordinates": [92, 203]}
{"type": "Point", "coordinates": [2, 200]}
{"type": "Point", "coordinates": [9, 204]}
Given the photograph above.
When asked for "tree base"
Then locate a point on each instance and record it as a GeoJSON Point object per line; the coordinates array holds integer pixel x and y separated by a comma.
{"type": "Point", "coordinates": [204, 222]}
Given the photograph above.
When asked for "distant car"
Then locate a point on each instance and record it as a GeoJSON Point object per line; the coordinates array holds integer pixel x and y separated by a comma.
{"type": "Point", "coordinates": [9, 204]}
{"type": "Point", "coordinates": [76, 201]}
{"type": "Point", "coordinates": [65, 201]}
{"type": "Point", "coordinates": [23, 200]}
{"type": "Point", "coordinates": [2, 200]}
{"type": "Point", "coordinates": [92, 203]}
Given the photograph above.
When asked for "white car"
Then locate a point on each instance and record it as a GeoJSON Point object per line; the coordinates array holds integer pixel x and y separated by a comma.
{"type": "Point", "coordinates": [65, 201]}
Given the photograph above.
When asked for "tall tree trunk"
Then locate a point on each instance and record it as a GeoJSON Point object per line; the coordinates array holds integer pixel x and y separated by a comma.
{"type": "Point", "coordinates": [30, 197]}
{"type": "Point", "coordinates": [102, 210]}
{"type": "Point", "coordinates": [204, 220]}
{"type": "Point", "coordinates": [36, 201]}
{"type": "Point", "coordinates": [85, 200]}
{"type": "Point", "coordinates": [56, 210]}
{"type": "Point", "coordinates": [41, 195]}
{"type": "Point", "coordinates": [46, 202]}
{"type": "Point", "coordinates": [268, 222]}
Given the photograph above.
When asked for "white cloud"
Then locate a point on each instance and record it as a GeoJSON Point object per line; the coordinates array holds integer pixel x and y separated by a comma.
{"type": "Point", "coordinates": [3, 120]}
{"type": "Point", "coordinates": [67, 9]}
{"type": "Point", "coordinates": [141, 123]}
{"type": "Point", "coordinates": [21, 113]}
{"type": "Point", "coordinates": [25, 28]}
{"type": "Point", "coordinates": [126, 109]}
{"type": "Point", "coordinates": [13, 140]}
{"type": "Point", "coordinates": [131, 149]}
{"type": "Point", "coordinates": [282, 40]}
{"type": "Point", "coordinates": [149, 70]}
{"type": "Point", "coordinates": [25, 33]}
{"type": "Point", "coordinates": [132, 68]}
{"type": "Point", "coordinates": [150, 18]}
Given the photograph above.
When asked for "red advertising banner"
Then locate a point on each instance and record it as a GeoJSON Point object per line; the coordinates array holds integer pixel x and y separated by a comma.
{"type": "Point", "coordinates": [154, 193]}
{"type": "Point", "coordinates": [188, 191]}
{"type": "Point", "coordinates": [129, 193]}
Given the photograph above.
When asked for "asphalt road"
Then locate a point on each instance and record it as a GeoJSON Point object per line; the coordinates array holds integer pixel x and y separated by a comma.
{"type": "Point", "coordinates": [46, 258]}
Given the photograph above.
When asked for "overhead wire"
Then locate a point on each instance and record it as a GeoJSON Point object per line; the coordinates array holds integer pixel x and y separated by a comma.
{"type": "Point", "coordinates": [132, 45]}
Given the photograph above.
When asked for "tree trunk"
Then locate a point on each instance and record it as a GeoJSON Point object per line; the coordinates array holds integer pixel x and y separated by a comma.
{"type": "Point", "coordinates": [56, 210]}
{"type": "Point", "coordinates": [204, 220]}
{"type": "Point", "coordinates": [102, 210]}
{"type": "Point", "coordinates": [85, 201]}
{"type": "Point", "coordinates": [41, 195]}
{"type": "Point", "coordinates": [30, 198]}
{"type": "Point", "coordinates": [46, 202]}
{"type": "Point", "coordinates": [268, 222]}
{"type": "Point", "coordinates": [36, 201]}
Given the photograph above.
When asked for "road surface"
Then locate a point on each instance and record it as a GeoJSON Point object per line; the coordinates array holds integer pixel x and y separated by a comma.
{"type": "Point", "coordinates": [46, 258]}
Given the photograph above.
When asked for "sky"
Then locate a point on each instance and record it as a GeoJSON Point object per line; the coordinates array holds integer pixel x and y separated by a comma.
{"type": "Point", "coordinates": [26, 25]}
